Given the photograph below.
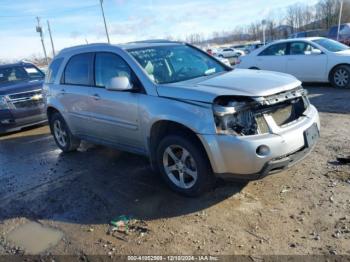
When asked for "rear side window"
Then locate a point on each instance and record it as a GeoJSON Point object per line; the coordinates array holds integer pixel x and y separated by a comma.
{"type": "Point", "coordinates": [275, 50]}
{"type": "Point", "coordinates": [53, 71]}
{"type": "Point", "coordinates": [78, 70]}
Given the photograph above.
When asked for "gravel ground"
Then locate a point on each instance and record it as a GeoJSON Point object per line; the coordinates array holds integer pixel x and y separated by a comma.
{"type": "Point", "coordinates": [304, 210]}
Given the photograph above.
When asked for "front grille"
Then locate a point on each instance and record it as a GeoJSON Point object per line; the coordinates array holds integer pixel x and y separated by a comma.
{"type": "Point", "coordinates": [286, 111]}
{"type": "Point", "coordinates": [30, 99]}
{"type": "Point", "coordinates": [28, 104]}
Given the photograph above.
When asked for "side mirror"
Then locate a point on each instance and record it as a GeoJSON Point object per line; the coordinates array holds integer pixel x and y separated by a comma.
{"type": "Point", "coordinates": [119, 83]}
{"type": "Point", "coordinates": [316, 52]}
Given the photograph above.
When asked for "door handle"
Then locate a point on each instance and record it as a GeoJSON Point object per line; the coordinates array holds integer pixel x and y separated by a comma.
{"type": "Point", "coordinates": [96, 96]}
{"type": "Point", "coordinates": [63, 91]}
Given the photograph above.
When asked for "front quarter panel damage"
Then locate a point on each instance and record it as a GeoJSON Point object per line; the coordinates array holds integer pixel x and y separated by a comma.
{"type": "Point", "coordinates": [197, 116]}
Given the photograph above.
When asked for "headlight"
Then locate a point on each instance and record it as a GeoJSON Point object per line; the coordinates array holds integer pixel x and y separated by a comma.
{"type": "Point", "coordinates": [235, 117]}
{"type": "Point", "coordinates": [3, 103]}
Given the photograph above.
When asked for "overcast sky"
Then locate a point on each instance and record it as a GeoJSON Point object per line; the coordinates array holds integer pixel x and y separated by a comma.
{"type": "Point", "coordinates": [73, 21]}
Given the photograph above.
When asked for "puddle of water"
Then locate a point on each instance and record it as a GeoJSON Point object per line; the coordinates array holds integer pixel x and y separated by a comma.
{"type": "Point", "coordinates": [34, 238]}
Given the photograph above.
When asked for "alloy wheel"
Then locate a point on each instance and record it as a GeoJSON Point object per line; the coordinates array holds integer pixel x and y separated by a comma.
{"type": "Point", "coordinates": [180, 166]}
{"type": "Point", "coordinates": [60, 133]}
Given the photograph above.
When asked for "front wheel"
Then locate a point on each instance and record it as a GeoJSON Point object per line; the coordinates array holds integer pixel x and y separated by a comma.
{"type": "Point", "coordinates": [63, 137]}
{"type": "Point", "coordinates": [340, 76]}
{"type": "Point", "coordinates": [184, 165]}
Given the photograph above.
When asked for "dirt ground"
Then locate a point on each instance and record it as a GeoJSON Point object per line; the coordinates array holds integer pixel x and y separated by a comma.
{"type": "Point", "coordinates": [304, 210]}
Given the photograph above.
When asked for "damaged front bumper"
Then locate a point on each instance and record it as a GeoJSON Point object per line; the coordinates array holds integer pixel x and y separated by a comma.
{"type": "Point", "coordinates": [237, 156]}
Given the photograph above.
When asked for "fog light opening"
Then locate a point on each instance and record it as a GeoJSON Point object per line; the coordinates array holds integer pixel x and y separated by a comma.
{"type": "Point", "coordinates": [263, 150]}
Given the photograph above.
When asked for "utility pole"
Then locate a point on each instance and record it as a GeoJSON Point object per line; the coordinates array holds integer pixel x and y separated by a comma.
{"type": "Point", "coordinates": [53, 47]}
{"type": "Point", "coordinates": [104, 20]}
{"type": "Point", "coordinates": [263, 22]}
{"type": "Point", "coordinates": [340, 14]}
{"type": "Point", "coordinates": [39, 29]}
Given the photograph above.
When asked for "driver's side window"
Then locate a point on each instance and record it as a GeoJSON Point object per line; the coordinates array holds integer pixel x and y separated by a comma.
{"type": "Point", "coordinates": [300, 48]}
{"type": "Point", "coordinates": [108, 66]}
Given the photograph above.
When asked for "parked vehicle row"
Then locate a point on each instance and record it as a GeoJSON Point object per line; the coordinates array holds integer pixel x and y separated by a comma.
{"type": "Point", "coordinates": [309, 33]}
{"type": "Point", "coordinates": [309, 59]}
{"type": "Point", "coordinates": [332, 33]}
{"type": "Point", "coordinates": [193, 116]}
{"type": "Point", "coordinates": [21, 98]}
{"type": "Point", "coordinates": [227, 52]}
{"type": "Point", "coordinates": [344, 33]}
{"type": "Point", "coordinates": [248, 47]}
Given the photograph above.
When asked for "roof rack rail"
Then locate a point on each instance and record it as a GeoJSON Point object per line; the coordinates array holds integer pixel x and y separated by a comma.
{"type": "Point", "coordinates": [154, 41]}
{"type": "Point", "coordinates": [82, 46]}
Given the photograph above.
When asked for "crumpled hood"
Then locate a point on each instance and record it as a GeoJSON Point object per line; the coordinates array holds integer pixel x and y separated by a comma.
{"type": "Point", "coordinates": [238, 82]}
{"type": "Point", "coordinates": [13, 87]}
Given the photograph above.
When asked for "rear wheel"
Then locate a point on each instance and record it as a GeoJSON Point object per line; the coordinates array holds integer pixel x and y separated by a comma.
{"type": "Point", "coordinates": [184, 166]}
{"type": "Point", "coordinates": [340, 76]}
{"type": "Point", "coordinates": [62, 135]}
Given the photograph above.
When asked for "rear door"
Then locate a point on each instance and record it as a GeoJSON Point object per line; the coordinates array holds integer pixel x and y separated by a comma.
{"type": "Point", "coordinates": [114, 114]}
{"type": "Point", "coordinates": [273, 58]}
{"type": "Point", "coordinates": [305, 65]}
{"type": "Point", "coordinates": [74, 92]}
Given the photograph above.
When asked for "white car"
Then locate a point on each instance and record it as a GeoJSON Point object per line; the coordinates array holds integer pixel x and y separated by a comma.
{"type": "Point", "coordinates": [228, 52]}
{"type": "Point", "coordinates": [313, 59]}
{"type": "Point", "coordinates": [224, 60]}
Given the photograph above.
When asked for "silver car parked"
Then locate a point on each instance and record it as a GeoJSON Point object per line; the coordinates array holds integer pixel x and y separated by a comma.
{"type": "Point", "coordinates": [193, 116]}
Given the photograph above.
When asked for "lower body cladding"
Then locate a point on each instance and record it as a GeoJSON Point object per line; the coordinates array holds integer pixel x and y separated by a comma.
{"type": "Point", "coordinates": [16, 119]}
{"type": "Point", "coordinates": [252, 157]}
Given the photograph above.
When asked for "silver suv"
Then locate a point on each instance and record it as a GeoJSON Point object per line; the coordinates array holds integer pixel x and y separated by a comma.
{"type": "Point", "coordinates": [193, 116]}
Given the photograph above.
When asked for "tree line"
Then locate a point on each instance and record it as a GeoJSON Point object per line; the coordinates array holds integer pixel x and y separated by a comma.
{"type": "Point", "coordinates": [296, 18]}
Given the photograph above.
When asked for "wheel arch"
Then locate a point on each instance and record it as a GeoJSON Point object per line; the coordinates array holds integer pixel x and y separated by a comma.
{"type": "Point", "coordinates": [50, 110]}
{"type": "Point", "coordinates": [162, 128]}
{"type": "Point", "coordinates": [333, 68]}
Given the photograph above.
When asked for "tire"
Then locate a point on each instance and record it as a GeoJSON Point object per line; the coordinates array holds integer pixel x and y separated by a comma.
{"type": "Point", "coordinates": [254, 68]}
{"type": "Point", "coordinates": [62, 135]}
{"type": "Point", "coordinates": [221, 56]}
{"type": "Point", "coordinates": [192, 165]}
{"type": "Point", "coordinates": [340, 76]}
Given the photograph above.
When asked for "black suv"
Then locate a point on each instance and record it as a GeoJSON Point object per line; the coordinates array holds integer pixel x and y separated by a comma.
{"type": "Point", "coordinates": [21, 97]}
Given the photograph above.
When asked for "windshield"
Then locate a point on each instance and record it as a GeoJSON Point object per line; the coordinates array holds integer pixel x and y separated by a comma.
{"type": "Point", "coordinates": [174, 63]}
{"type": "Point", "coordinates": [331, 45]}
{"type": "Point", "coordinates": [19, 73]}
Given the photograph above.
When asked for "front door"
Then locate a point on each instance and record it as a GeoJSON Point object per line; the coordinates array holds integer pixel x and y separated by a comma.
{"type": "Point", "coordinates": [305, 64]}
{"type": "Point", "coordinates": [114, 114]}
